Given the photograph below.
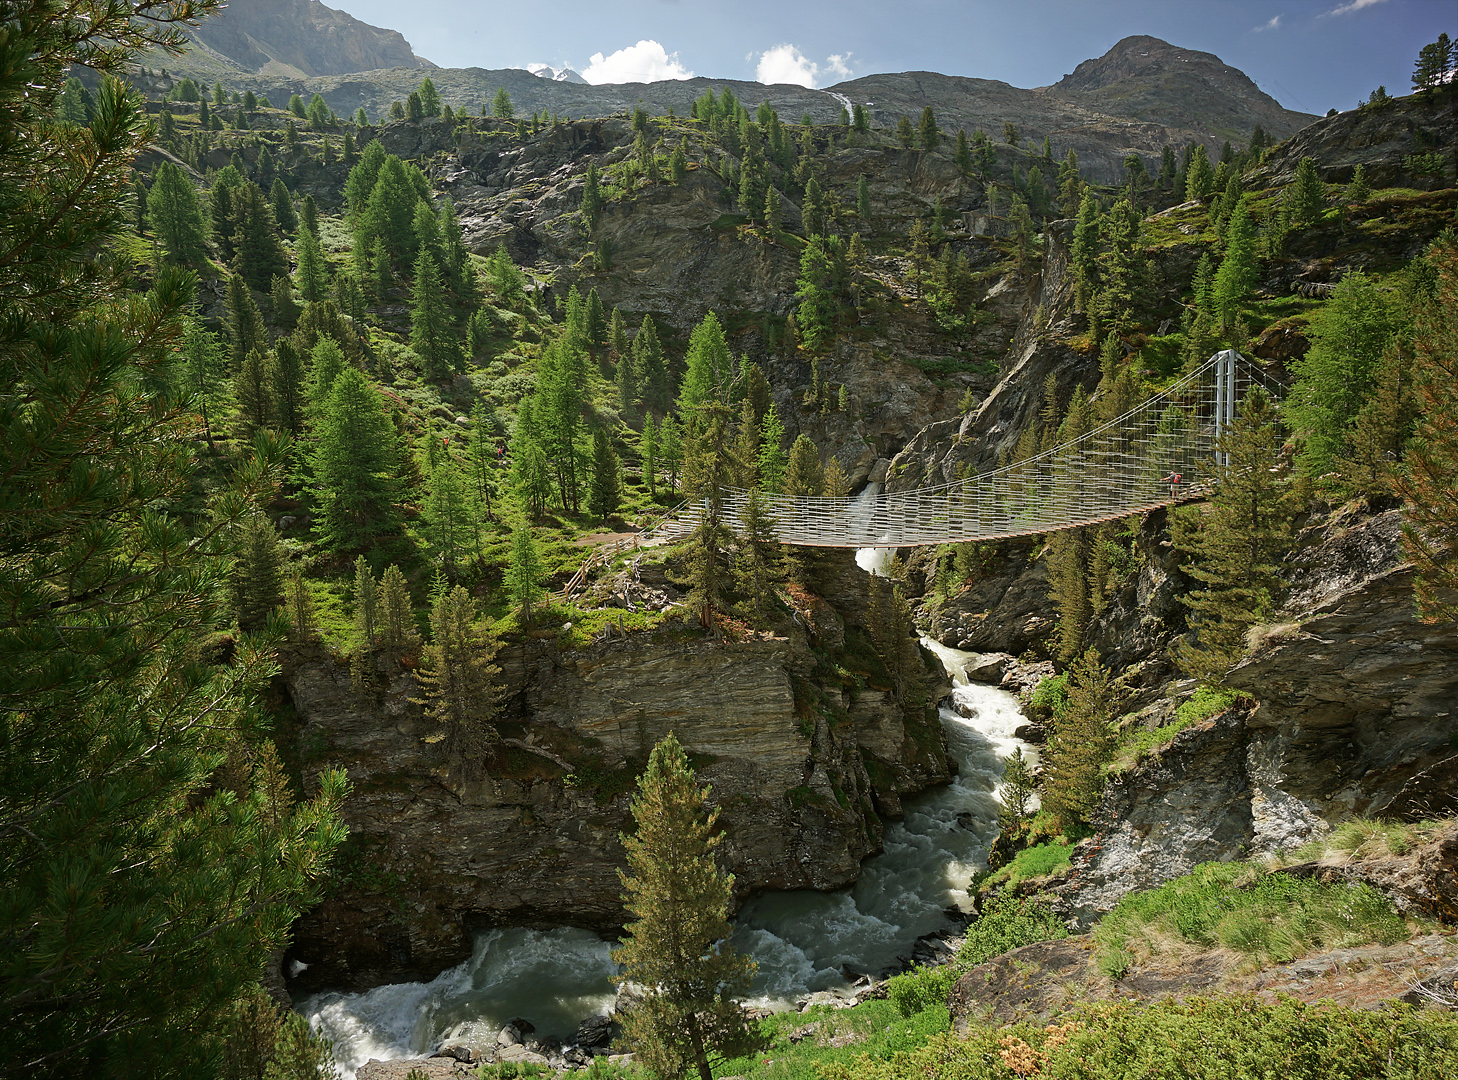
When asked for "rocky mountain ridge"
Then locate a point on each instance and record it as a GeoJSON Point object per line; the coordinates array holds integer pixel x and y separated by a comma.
{"type": "Point", "coordinates": [298, 39]}
{"type": "Point", "coordinates": [1142, 95]}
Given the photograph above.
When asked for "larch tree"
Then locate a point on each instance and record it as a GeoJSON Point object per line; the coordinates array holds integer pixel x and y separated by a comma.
{"type": "Point", "coordinates": [676, 944]}
{"type": "Point", "coordinates": [432, 334]}
{"type": "Point", "coordinates": [605, 489]}
{"type": "Point", "coordinates": [141, 902]}
{"type": "Point", "coordinates": [1239, 270]}
{"type": "Point", "coordinates": [1335, 377]}
{"type": "Point", "coordinates": [356, 462]}
{"type": "Point", "coordinates": [1430, 519]}
{"type": "Point", "coordinates": [1305, 197]}
{"type": "Point", "coordinates": [525, 571]}
{"type": "Point", "coordinates": [173, 210]}
{"type": "Point", "coordinates": [709, 370]}
{"type": "Point", "coordinates": [1235, 543]}
{"type": "Point", "coordinates": [458, 679]}
{"type": "Point", "coordinates": [1080, 744]}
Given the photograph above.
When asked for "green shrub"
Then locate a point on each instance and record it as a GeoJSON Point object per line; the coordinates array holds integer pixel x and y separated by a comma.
{"type": "Point", "coordinates": [1035, 862]}
{"type": "Point", "coordinates": [1227, 1038]}
{"type": "Point", "coordinates": [1007, 923]}
{"type": "Point", "coordinates": [1265, 916]}
{"type": "Point", "coordinates": [1050, 697]}
{"type": "Point", "coordinates": [920, 989]}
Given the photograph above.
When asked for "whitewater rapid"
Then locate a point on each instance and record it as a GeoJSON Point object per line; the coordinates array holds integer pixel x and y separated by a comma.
{"type": "Point", "coordinates": [803, 941]}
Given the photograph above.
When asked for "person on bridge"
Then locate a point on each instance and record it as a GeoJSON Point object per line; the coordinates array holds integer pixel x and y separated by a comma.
{"type": "Point", "coordinates": [1173, 480]}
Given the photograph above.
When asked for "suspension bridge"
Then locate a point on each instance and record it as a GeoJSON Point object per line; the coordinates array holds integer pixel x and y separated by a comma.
{"type": "Point", "coordinates": [1154, 455]}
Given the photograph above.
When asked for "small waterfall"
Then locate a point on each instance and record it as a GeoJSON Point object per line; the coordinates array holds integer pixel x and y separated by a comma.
{"type": "Point", "coordinates": [862, 517]}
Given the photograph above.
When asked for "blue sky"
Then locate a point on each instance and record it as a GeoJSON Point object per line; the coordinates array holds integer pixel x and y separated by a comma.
{"type": "Point", "coordinates": [1310, 55]}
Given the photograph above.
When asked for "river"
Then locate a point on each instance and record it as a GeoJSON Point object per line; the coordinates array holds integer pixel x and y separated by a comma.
{"type": "Point", "coordinates": [803, 941]}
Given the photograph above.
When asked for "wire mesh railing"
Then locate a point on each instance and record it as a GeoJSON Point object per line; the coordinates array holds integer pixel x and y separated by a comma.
{"type": "Point", "coordinates": [1153, 455]}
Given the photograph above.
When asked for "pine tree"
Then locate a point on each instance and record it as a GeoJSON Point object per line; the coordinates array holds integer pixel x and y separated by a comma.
{"type": "Point", "coordinates": [253, 390]}
{"type": "Point", "coordinates": [286, 384]}
{"type": "Point", "coordinates": [525, 571]}
{"type": "Point", "coordinates": [604, 493]}
{"type": "Point", "coordinates": [1079, 745]}
{"type": "Point", "coordinates": [709, 367]}
{"type": "Point", "coordinates": [926, 132]}
{"type": "Point", "coordinates": [1334, 378]}
{"type": "Point", "coordinates": [281, 301]}
{"type": "Point", "coordinates": [366, 604]}
{"type": "Point", "coordinates": [1305, 198]}
{"type": "Point", "coordinates": [1430, 519]}
{"type": "Point", "coordinates": [676, 946]}
{"type": "Point", "coordinates": [1084, 252]}
{"type": "Point", "coordinates": [905, 133]}
{"type": "Point", "coordinates": [259, 253]}
{"type": "Point", "coordinates": [1235, 544]}
{"type": "Point", "coordinates": [1239, 270]}
{"type": "Point", "coordinates": [648, 452]}
{"type": "Point", "coordinates": [1358, 190]}
{"type": "Point", "coordinates": [140, 901]}
{"type": "Point", "coordinates": [591, 199]}
{"type": "Point", "coordinates": [283, 206]}
{"type": "Point", "coordinates": [501, 107]}
{"type": "Point", "coordinates": [398, 635]}
{"type": "Point", "coordinates": [1018, 789]}
{"type": "Point", "coordinates": [173, 210]}
{"type": "Point", "coordinates": [450, 516]}
{"type": "Point", "coordinates": [816, 292]}
{"type": "Point", "coordinates": [429, 97]}
{"type": "Point", "coordinates": [458, 677]}
{"type": "Point", "coordinates": [671, 449]}
{"type": "Point", "coordinates": [356, 462]}
{"type": "Point", "coordinates": [1199, 177]}
{"type": "Point", "coordinates": [803, 474]}
{"type": "Point", "coordinates": [432, 335]}
{"type": "Point", "coordinates": [649, 362]}
{"type": "Point", "coordinates": [772, 458]}
{"type": "Point", "coordinates": [256, 580]}
{"type": "Point", "coordinates": [708, 469]}
{"type": "Point", "coordinates": [312, 276]}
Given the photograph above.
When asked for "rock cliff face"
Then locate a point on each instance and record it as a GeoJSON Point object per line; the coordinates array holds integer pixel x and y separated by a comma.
{"type": "Point", "coordinates": [1357, 715]}
{"type": "Point", "coordinates": [801, 768]}
{"type": "Point", "coordinates": [1380, 140]}
{"type": "Point", "coordinates": [301, 39]}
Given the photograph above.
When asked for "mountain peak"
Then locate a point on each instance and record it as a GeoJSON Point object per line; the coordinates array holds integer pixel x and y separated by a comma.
{"type": "Point", "coordinates": [301, 39]}
{"type": "Point", "coordinates": [1146, 78]}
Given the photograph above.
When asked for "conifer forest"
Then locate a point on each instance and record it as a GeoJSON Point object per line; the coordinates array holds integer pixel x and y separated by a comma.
{"type": "Point", "coordinates": [373, 624]}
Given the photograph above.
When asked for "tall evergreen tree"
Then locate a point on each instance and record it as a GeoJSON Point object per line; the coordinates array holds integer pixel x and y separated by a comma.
{"type": "Point", "coordinates": [356, 461]}
{"type": "Point", "coordinates": [1235, 544]}
{"type": "Point", "coordinates": [649, 362]}
{"type": "Point", "coordinates": [1199, 177]}
{"type": "Point", "coordinates": [432, 334]}
{"type": "Point", "coordinates": [259, 253]}
{"type": "Point", "coordinates": [429, 97]}
{"type": "Point", "coordinates": [1430, 519]}
{"type": "Point", "coordinates": [772, 458]}
{"type": "Point", "coordinates": [256, 580]}
{"type": "Point", "coordinates": [458, 677]}
{"type": "Point", "coordinates": [1080, 744]}
{"type": "Point", "coordinates": [604, 493]}
{"type": "Point", "coordinates": [286, 382]}
{"type": "Point", "coordinates": [283, 206]}
{"type": "Point", "coordinates": [525, 571]}
{"type": "Point", "coordinates": [676, 938]}
{"type": "Point", "coordinates": [140, 900]}
{"type": "Point", "coordinates": [709, 372]}
{"type": "Point", "coordinates": [173, 210]}
{"type": "Point", "coordinates": [449, 511]}
{"type": "Point", "coordinates": [1305, 197]}
{"type": "Point", "coordinates": [708, 472]}
{"type": "Point", "coordinates": [312, 277]}
{"type": "Point", "coordinates": [1333, 380]}
{"type": "Point", "coordinates": [1239, 270]}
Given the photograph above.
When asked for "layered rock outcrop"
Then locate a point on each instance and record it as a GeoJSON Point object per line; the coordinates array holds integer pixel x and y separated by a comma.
{"type": "Point", "coordinates": [1357, 715]}
{"type": "Point", "coordinates": [801, 769]}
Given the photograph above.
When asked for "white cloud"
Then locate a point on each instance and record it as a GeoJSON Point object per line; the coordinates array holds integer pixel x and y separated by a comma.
{"type": "Point", "coordinates": [837, 65]}
{"type": "Point", "coordinates": [787, 64]}
{"type": "Point", "coordinates": [646, 61]}
{"type": "Point", "coordinates": [1274, 24]}
{"type": "Point", "coordinates": [1351, 6]}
